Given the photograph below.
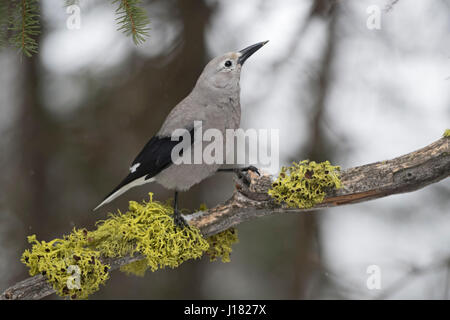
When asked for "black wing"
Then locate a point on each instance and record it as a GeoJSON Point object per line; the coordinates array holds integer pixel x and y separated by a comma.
{"type": "Point", "coordinates": [154, 157]}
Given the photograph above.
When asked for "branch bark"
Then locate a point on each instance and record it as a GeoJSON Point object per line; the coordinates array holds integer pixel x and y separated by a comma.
{"type": "Point", "coordinates": [406, 173]}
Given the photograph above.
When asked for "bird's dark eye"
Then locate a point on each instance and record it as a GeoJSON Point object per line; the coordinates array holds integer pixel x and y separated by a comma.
{"type": "Point", "coordinates": [228, 63]}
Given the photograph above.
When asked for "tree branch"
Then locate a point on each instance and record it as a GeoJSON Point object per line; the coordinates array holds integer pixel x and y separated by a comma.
{"type": "Point", "coordinates": [406, 173]}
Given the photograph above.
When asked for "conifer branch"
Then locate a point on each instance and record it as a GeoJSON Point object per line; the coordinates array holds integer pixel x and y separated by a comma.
{"type": "Point", "coordinates": [19, 22]}
{"type": "Point", "coordinates": [25, 26]}
{"type": "Point", "coordinates": [132, 19]}
{"type": "Point", "coordinates": [71, 2]}
{"type": "Point", "coordinates": [3, 22]}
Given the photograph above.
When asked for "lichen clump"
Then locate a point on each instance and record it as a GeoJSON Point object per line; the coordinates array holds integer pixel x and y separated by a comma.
{"type": "Point", "coordinates": [148, 229]}
{"type": "Point", "coordinates": [73, 265]}
{"type": "Point", "coordinates": [70, 266]}
{"type": "Point", "coordinates": [446, 133]}
{"type": "Point", "coordinates": [220, 245]}
{"type": "Point", "coordinates": [304, 184]}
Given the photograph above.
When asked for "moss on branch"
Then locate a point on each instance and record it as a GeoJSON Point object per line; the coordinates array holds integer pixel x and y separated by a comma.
{"type": "Point", "coordinates": [446, 133]}
{"type": "Point", "coordinates": [73, 265]}
{"type": "Point", "coordinates": [305, 184]}
{"type": "Point", "coordinates": [429, 165]}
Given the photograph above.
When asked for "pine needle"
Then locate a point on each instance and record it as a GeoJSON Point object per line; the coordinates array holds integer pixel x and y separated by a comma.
{"type": "Point", "coordinates": [69, 3]}
{"type": "Point", "coordinates": [19, 21]}
{"type": "Point", "coordinates": [4, 21]}
{"type": "Point", "coordinates": [132, 19]}
{"type": "Point", "coordinates": [25, 26]}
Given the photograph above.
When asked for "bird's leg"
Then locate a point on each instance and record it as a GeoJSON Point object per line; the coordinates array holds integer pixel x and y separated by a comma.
{"type": "Point", "coordinates": [177, 218]}
{"type": "Point", "coordinates": [239, 172]}
{"type": "Point", "coordinates": [249, 168]}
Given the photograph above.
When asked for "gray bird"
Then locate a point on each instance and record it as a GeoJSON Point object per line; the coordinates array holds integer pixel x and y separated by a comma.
{"type": "Point", "coordinates": [215, 101]}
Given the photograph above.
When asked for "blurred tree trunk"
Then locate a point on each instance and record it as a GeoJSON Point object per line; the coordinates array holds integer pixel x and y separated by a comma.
{"type": "Point", "coordinates": [34, 138]}
{"type": "Point", "coordinates": [31, 143]}
{"type": "Point", "coordinates": [308, 259]}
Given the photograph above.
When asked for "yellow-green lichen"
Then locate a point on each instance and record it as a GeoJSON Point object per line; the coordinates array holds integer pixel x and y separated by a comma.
{"type": "Point", "coordinates": [203, 207]}
{"type": "Point", "coordinates": [304, 184]}
{"type": "Point", "coordinates": [220, 244]}
{"type": "Point", "coordinates": [446, 133]}
{"type": "Point", "coordinates": [146, 228]}
{"type": "Point", "coordinates": [71, 267]}
{"type": "Point", "coordinates": [137, 268]}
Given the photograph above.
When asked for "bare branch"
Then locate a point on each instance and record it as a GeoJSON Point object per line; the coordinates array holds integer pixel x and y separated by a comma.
{"type": "Point", "coordinates": [407, 173]}
{"type": "Point", "coordinates": [390, 5]}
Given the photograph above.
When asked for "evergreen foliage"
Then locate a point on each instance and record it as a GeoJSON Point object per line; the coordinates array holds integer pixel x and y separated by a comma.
{"type": "Point", "coordinates": [20, 26]}
{"type": "Point", "coordinates": [3, 22]}
{"type": "Point", "coordinates": [24, 24]}
{"type": "Point", "coordinates": [132, 19]}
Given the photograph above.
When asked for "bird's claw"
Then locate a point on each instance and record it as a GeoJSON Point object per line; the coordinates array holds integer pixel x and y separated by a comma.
{"type": "Point", "coordinates": [179, 221]}
{"type": "Point", "coordinates": [242, 175]}
{"type": "Point", "coordinates": [252, 169]}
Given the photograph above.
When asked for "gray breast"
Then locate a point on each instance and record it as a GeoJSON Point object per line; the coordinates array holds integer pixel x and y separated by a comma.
{"type": "Point", "coordinates": [181, 177]}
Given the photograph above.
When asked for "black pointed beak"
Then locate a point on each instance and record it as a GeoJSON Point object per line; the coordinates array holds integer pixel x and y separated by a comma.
{"type": "Point", "coordinates": [247, 52]}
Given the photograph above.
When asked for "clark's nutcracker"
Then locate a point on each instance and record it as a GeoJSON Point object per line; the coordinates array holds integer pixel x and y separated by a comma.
{"type": "Point", "coordinates": [215, 101]}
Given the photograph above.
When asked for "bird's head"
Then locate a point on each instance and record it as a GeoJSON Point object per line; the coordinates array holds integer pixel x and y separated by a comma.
{"type": "Point", "coordinates": [223, 72]}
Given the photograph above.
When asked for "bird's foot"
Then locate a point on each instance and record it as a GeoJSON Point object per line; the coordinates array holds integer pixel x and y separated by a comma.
{"type": "Point", "coordinates": [179, 221]}
{"type": "Point", "coordinates": [242, 175]}
{"type": "Point", "coordinates": [252, 169]}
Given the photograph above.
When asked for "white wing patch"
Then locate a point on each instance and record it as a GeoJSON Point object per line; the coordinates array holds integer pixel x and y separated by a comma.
{"type": "Point", "coordinates": [134, 167]}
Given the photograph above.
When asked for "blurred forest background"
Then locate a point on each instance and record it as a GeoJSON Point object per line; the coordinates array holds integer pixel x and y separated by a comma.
{"type": "Point", "coordinates": [73, 116]}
